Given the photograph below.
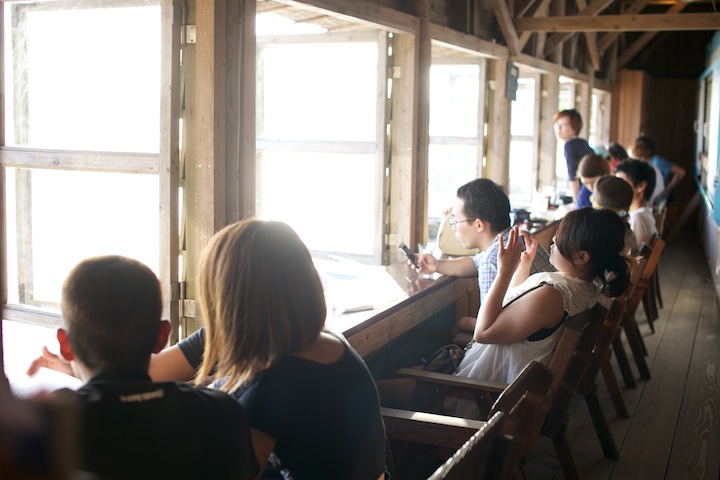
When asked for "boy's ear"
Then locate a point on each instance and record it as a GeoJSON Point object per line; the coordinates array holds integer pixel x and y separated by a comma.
{"type": "Point", "coordinates": [65, 348]}
{"type": "Point", "coordinates": [163, 335]}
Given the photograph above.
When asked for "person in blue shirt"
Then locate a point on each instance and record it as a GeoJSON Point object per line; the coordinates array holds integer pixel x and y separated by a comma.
{"type": "Point", "coordinates": [481, 212]}
{"type": "Point", "coordinates": [672, 174]}
{"type": "Point", "coordinates": [567, 124]}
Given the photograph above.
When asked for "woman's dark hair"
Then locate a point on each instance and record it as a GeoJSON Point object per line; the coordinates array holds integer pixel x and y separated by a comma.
{"type": "Point", "coordinates": [617, 151]}
{"type": "Point", "coordinates": [600, 233]}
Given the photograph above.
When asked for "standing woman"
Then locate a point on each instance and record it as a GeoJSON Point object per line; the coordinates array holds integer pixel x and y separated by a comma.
{"type": "Point", "coordinates": [567, 124]}
{"type": "Point", "coordinates": [312, 404]}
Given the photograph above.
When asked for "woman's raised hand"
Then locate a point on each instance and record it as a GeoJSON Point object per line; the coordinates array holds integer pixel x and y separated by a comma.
{"type": "Point", "coordinates": [509, 254]}
{"type": "Point", "coordinates": [531, 245]}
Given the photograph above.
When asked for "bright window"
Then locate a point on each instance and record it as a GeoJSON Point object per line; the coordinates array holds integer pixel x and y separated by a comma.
{"type": "Point", "coordinates": [320, 161]}
{"type": "Point", "coordinates": [523, 141]}
{"type": "Point", "coordinates": [82, 113]}
{"type": "Point", "coordinates": [453, 156]}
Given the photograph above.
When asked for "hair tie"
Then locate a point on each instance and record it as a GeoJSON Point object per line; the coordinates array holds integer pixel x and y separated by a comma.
{"type": "Point", "coordinates": [622, 213]}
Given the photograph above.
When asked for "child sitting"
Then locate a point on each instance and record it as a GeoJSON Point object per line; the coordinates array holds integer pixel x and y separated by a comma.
{"type": "Point", "coordinates": [132, 427]}
{"type": "Point", "coordinates": [617, 195]}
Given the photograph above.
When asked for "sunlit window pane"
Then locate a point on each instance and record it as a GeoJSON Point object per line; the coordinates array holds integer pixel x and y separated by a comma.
{"type": "Point", "coordinates": [450, 167]}
{"type": "Point", "coordinates": [82, 79]}
{"type": "Point", "coordinates": [523, 108]}
{"type": "Point", "coordinates": [454, 100]}
{"type": "Point", "coordinates": [318, 91]}
{"type": "Point", "coordinates": [333, 209]}
{"type": "Point", "coordinates": [68, 216]}
{"type": "Point", "coordinates": [521, 170]}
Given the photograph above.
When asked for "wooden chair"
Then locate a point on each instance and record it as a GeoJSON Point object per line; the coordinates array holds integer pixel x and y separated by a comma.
{"type": "Point", "coordinates": [568, 365]}
{"type": "Point", "coordinates": [629, 324]}
{"type": "Point", "coordinates": [660, 224]}
{"type": "Point", "coordinates": [600, 358]}
{"type": "Point", "coordinates": [649, 280]}
{"type": "Point", "coordinates": [511, 437]}
{"type": "Point", "coordinates": [473, 458]}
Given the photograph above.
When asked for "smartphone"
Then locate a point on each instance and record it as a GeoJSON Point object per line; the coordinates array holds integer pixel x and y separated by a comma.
{"type": "Point", "coordinates": [409, 254]}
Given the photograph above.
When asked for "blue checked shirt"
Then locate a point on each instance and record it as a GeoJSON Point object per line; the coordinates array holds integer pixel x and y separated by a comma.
{"type": "Point", "coordinates": [486, 264]}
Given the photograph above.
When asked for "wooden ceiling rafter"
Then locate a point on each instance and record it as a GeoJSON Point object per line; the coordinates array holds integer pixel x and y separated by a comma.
{"type": "Point", "coordinates": [607, 39]}
{"type": "Point", "coordinates": [621, 23]}
{"type": "Point", "coordinates": [590, 40]}
{"type": "Point", "coordinates": [594, 8]}
{"type": "Point", "coordinates": [505, 21]}
{"type": "Point", "coordinates": [629, 53]}
{"type": "Point", "coordinates": [539, 8]}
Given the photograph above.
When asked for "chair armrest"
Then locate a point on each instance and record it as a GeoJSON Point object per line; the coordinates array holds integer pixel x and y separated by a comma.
{"type": "Point", "coordinates": [428, 428]}
{"type": "Point", "coordinates": [451, 380]}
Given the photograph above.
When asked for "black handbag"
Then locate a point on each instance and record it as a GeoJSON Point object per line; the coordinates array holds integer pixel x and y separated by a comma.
{"type": "Point", "coordinates": [445, 359]}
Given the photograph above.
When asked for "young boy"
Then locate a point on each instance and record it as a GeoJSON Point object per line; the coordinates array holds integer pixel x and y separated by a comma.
{"type": "Point", "coordinates": [641, 177]}
{"type": "Point", "coordinates": [132, 427]}
{"type": "Point", "coordinates": [616, 194]}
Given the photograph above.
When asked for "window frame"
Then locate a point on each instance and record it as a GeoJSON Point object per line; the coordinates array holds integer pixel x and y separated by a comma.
{"type": "Point", "coordinates": [163, 164]}
{"type": "Point", "coordinates": [379, 146]}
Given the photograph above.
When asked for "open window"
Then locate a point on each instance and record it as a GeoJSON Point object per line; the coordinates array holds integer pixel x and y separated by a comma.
{"type": "Point", "coordinates": [81, 144]}
{"type": "Point", "coordinates": [321, 108]}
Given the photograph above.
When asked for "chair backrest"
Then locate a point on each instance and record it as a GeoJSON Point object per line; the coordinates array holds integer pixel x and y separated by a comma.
{"type": "Point", "coordinates": [473, 458]}
{"type": "Point", "coordinates": [660, 214]}
{"type": "Point", "coordinates": [519, 404]}
{"type": "Point", "coordinates": [570, 361]}
{"type": "Point", "coordinates": [448, 243]}
{"type": "Point", "coordinates": [607, 333]}
{"type": "Point", "coordinates": [651, 254]}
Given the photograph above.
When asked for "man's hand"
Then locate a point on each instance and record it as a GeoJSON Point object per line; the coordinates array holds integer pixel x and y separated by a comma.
{"type": "Point", "coordinates": [51, 361]}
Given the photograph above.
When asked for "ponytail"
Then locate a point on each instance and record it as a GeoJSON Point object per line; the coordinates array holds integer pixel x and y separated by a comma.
{"type": "Point", "coordinates": [618, 275]}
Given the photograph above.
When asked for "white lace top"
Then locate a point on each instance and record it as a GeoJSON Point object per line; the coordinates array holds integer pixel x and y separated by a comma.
{"type": "Point", "coordinates": [577, 294]}
{"type": "Point", "coordinates": [502, 363]}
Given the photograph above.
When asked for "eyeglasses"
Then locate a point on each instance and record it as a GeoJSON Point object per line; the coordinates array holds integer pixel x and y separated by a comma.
{"type": "Point", "coordinates": [453, 222]}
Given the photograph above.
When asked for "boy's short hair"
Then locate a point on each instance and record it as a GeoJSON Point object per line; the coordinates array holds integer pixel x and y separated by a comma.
{"type": "Point", "coordinates": [573, 117]}
{"type": "Point", "coordinates": [639, 171]}
{"type": "Point", "coordinates": [592, 165]}
{"type": "Point", "coordinates": [612, 192]}
{"type": "Point", "coordinates": [112, 308]}
{"type": "Point", "coordinates": [486, 200]}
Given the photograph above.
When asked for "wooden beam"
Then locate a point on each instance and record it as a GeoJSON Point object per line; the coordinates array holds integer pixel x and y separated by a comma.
{"type": "Point", "coordinates": [359, 11]}
{"type": "Point", "coordinates": [629, 23]}
{"type": "Point", "coordinates": [610, 37]}
{"type": "Point", "coordinates": [590, 41]}
{"type": "Point", "coordinates": [641, 42]}
{"type": "Point", "coordinates": [504, 19]}
{"type": "Point", "coordinates": [540, 9]}
{"type": "Point", "coordinates": [595, 7]}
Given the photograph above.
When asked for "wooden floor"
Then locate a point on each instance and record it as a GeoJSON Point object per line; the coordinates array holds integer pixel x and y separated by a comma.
{"type": "Point", "coordinates": [674, 428]}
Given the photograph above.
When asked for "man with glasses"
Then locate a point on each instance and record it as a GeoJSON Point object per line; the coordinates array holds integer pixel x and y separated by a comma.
{"type": "Point", "coordinates": [481, 212]}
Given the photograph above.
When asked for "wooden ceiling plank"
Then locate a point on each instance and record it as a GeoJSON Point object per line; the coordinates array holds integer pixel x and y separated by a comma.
{"type": "Point", "coordinates": [634, 23]}
{"type": "Point", "coordinates": [504, 19]}
{"type": "Point", "coordinates": [608, 39]}
{"type": "Point", "coordinates": [556, 39]}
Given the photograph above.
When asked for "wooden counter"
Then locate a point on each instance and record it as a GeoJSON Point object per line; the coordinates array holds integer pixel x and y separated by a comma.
{"type": "Point", "coordinates": [422, 297]}
{"type": "Point", "coordinates": [419, 298]}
